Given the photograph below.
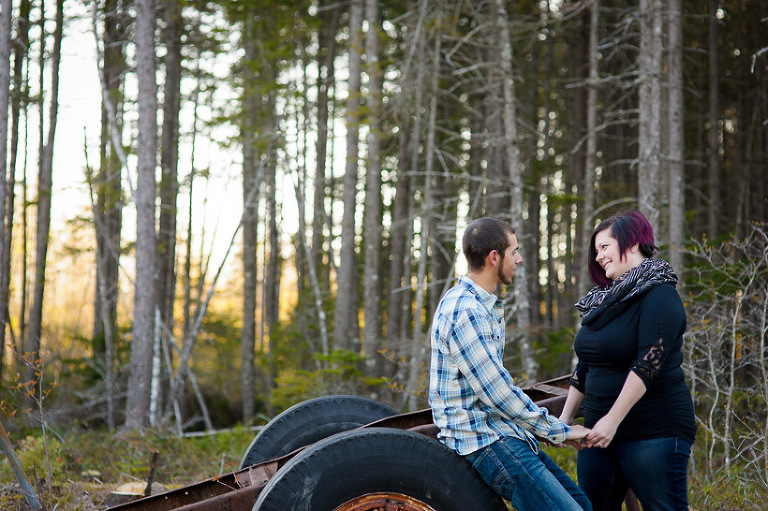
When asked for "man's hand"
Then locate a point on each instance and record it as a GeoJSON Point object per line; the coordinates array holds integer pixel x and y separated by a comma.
{"type": "Point", "coordinates": [576, 438]}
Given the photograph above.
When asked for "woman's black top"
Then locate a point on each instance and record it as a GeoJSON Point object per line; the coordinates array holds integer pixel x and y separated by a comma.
{"type": "Point", "coordinates": [644, 335]}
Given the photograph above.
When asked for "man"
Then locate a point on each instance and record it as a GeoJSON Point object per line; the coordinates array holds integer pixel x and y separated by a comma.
{"type": "Point", "coordinates": [481, 413]}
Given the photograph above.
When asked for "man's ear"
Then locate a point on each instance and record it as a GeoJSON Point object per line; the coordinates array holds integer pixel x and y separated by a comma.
{"type": "Point", "coordinates": [492, 259]}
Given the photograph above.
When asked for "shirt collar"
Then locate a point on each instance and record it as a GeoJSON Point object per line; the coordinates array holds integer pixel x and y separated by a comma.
{"type": "Point", "coordinates": [489, 299]}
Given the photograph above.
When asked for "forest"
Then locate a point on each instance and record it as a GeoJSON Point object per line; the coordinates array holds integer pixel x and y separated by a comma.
{"type": "Point", "coordinates": [270, 196]}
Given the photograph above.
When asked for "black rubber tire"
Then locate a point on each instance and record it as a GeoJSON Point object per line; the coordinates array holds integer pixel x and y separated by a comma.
{"type": "Point", "coordinates": [309, 421]}
{"type": "Point", "coordinates": [377, 460]}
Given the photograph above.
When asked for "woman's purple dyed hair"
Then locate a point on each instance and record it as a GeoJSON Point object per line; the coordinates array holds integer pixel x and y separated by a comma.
{"type": "Point", "coordinates": [629, 228]}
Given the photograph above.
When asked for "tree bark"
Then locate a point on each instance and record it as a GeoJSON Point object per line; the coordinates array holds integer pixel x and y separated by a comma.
{"type": "Point", "coordinates": [169, 182]}
{"type": "Point", "coordinates": [44, 187]}
{"type": "Point", "coordinates": [373, 229]}
{"type": "Point", "coordinates": [6, 217]}
{"type": "Point", "coordinates": [418, 338]}
{"type": "Point", "coordinates": [649, 138]}
{"type": "Point", "coordinates": [107, 200]}
{"type": "Point", "coordinates": [272, 255]}
{"type": "Point", "coordinates": [675, 129]}
{"type": "Point", "coordinates": [590, 155]}
{"type": "Point", "coordinates": [522, 299]}
{"type": "Point", "coordinates": [137, 405]}
{"type": "Point", "coordinates": [713, 160]}
{"type": "Point", "coordinates": [251, 185]}
{"type": "Point", "coordinates": [326, 57]}
{"type": "Point", "coordinates": [346, 323]}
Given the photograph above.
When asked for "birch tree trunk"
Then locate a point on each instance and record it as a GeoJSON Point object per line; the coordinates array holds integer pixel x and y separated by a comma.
{"type": "Point", "coordinates": [137, 405]}
{"type": "Point", "coordinates": [373, 228]}
{"type": "Point", "coordinates": [346, 324]}
{"type": "Point", "coordinates": [44, 186]}
{"type": "Point", "coordinates": [649, 138]}
{"type": "Point", "coordinates": [675, 129]}
{"type": "Point", "coordinates": [521, 296]}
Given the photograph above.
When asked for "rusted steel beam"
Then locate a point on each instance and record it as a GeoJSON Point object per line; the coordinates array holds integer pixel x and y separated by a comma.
{"type": "Point", "coordinates": [236, 491]}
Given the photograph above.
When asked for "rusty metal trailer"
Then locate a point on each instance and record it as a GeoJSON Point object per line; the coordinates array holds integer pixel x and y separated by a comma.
{"type": "Point", "coordinates": [393, 463]}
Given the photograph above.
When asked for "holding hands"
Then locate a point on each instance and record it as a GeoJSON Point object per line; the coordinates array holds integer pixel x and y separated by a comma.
{"type": "Point", "coordinates": [600, 435]}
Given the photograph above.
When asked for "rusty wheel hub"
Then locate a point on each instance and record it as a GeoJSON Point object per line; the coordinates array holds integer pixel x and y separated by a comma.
{"type": "Point", "coordinates": [385, 501]}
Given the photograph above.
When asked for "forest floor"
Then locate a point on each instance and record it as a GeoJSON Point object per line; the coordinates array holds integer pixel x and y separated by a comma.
{"type": "Point", "coordinates": [85, 495]}
{"type": "Point", "coordinates": [96, 470]}
{"type": "Point", "coordinates": [82, 496]}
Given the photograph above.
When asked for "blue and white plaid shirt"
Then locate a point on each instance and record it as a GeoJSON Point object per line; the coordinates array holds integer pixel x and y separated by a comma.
{"type": "Point", "coordinates": [473, 397]}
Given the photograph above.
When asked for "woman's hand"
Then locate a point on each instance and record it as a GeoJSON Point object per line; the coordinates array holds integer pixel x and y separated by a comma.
{"type": "Point", "coordinates": [602, 432]}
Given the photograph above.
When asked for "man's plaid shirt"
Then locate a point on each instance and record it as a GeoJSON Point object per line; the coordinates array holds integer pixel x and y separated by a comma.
{"type": "Point", "coordinates": [473, 397]}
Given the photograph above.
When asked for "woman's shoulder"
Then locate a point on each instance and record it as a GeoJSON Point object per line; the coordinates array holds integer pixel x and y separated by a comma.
{"type": "Point", "coordinates": [662, 297]}
{"type": "Point", "coordinates": [663, 290]}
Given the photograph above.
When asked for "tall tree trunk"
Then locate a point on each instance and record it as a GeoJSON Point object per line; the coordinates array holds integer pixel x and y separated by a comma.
{"type": "Point", "coordinates": [373, 231]}
{"type": "Point", "coordinates": [418, 339]}
{"type": "Point", "coordinates": [109, 198]}
{"type": "Point", "coordinates": [713, 160]}
{"type": "Point", "coordinates": [272, 258]}
{"type": "Point", "coordinates": [187, 265]}
{"type": "Point", "coordinates": [675, 129]}
{"type": "Point", "coordinates": [649, 137]}
{"type": "Point", "coordinates": [398, 243]}
{"type": "Point", "coordinates": [326, 57]}
{"type": "Point", "coordinates": [590, 155]}
{"type": "Point", "coordinates": [169, 183]}
{"type": "Point", "coordinates": [44, 187]}
{"type": "Point", "coordinates": [346, 323]}
{"type": "Point", "coordinates": [495, 199]}
{"type": "Point", "coordinates": [137, 405]}
{"type": "Point", "coordinates": [522, 298]}
{"type": "Point", "coordinates": [251, 184]}
{"type": "Point", "coordinates": [6, 214]}
{"type": "Point", "coordinates": [107, 194]}
{"type": "Point", "coordinates": [403, 221]}
{"type": "Point", "coordinates": [574, 172]}
{"type": "Point", "coordinates": [314, 282]}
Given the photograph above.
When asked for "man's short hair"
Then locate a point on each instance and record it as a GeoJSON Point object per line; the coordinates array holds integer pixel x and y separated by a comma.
{"type": "Point", "coordinates": [481, 237]}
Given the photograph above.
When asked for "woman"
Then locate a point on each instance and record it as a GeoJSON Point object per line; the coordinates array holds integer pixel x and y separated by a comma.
{"type": "Point", "coordinates": [629, 377]}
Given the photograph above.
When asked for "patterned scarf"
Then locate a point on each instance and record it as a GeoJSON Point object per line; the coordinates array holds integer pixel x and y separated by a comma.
{"type": "Point", "coordinates": [640, 279]}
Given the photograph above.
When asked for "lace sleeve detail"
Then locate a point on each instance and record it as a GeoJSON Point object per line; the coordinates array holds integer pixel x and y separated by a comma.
{"type": "Point", "coordinates": [648, 365]}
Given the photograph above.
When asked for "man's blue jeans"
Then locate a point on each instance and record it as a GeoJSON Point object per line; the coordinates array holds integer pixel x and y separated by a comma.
{"type": "Point", "coordinates": [530, 481]}
{"type": "Point", "coordinates": [656, 469]}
